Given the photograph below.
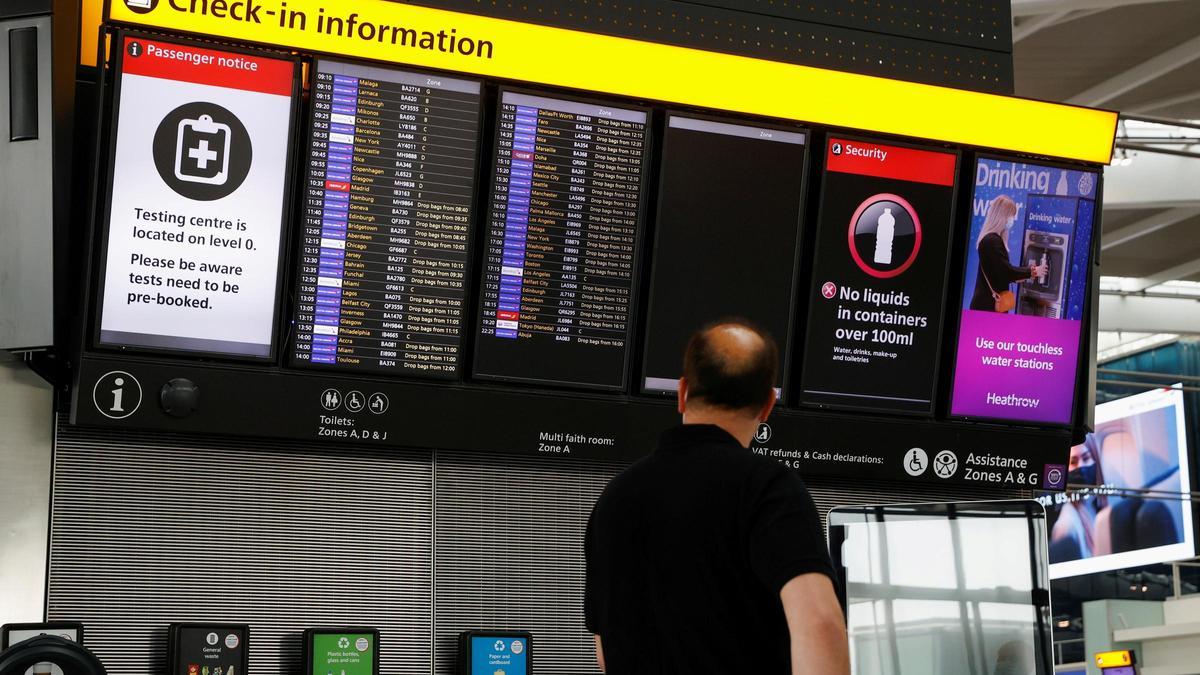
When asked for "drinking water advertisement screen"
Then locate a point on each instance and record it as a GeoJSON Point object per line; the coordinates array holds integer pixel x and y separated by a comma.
{"type": "Point", "coordinates": [1024, 292]}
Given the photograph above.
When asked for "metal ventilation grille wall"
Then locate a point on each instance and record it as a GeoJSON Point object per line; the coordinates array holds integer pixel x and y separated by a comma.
{"type": "Point", "coordinates": [509, 553]}
{"type": "Point", "coordinates": [148, 529]}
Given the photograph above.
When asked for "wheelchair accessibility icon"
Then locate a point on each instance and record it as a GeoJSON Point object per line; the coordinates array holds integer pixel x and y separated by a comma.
{"type": "Point", "coordinates": [916, 461]}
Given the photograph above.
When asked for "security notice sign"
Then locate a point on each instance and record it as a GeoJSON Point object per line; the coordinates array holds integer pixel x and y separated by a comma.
{"type": "Point", "coordinates": [875, 313]}
{"type": "Point", "coordinates": [199, 184]}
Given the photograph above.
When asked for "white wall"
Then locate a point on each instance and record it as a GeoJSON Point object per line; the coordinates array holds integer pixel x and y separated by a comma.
{"type": "Point", "coordinates": [26, 427]}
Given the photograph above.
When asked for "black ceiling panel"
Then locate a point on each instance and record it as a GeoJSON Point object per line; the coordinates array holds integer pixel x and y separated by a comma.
{"type": "Point", "coordinates": [958, 43]}
{"type": "Point", "coordinates": [982, 24]}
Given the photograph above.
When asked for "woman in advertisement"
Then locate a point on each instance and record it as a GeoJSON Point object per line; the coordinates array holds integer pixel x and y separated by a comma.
{"type": "Point", "coordinates": [1133, 452]}
{"type": "Point", "coordinates": [995, 272]}
{"type": "Point", "coordinates": [1074, 534]}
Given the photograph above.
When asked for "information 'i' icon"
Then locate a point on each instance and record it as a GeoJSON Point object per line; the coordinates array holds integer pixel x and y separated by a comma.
{"type": "Point", "coordinates": [117, 394]}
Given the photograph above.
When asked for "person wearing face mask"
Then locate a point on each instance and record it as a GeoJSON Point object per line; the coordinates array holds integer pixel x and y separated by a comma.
{"type": "Point", "coordinates": [995, 272]}
{"type": "Point", "coordinates": [1074, 535]}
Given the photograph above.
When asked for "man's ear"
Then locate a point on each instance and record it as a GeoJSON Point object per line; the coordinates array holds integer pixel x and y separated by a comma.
{"type": "Point", "coordinates": [766, 409]}
{"type": "Point", "coordinates": [681, 396]}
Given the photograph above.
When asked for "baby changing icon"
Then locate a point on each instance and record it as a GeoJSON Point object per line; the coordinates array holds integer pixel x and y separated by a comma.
{"type": "Point", "coordinates": [202, 151]}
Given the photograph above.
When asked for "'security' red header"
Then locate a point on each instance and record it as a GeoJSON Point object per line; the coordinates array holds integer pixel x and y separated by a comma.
{"type": "Point", "coordinates": [186, 63]}
{"type": "Point", "coordinates": [889, 161]}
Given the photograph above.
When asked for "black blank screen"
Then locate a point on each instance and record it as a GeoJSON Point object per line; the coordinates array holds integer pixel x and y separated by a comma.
{"type": "Point", "coordinates": [727, 235]}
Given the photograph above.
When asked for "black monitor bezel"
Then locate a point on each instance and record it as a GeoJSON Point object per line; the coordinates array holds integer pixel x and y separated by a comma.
{"type": "Point", "coordinates": [935, 390]}
{"type": "Point", "coordinates": [787, 347]}
{"type": "Point", "coordinates": [473, 224]}
{"type": "Point", "coordinates": [638, 246]}
{"type": "Point", "coordinates": [1085, 322]}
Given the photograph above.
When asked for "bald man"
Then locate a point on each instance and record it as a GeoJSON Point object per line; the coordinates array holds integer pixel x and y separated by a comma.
{"type": "Point", "coordinates": [705, 558]}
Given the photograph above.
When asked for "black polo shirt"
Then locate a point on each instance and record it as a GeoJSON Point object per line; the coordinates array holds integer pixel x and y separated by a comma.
{"type": "Point", "coordinates": [687, 551]}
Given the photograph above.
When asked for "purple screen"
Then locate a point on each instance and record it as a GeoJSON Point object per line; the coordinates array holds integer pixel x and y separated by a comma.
{"type": "Point", "coordinates": [1021, 364]}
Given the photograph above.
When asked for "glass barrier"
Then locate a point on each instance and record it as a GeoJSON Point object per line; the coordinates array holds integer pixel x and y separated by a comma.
{"type": "Point", "coordinates": [945, 589]}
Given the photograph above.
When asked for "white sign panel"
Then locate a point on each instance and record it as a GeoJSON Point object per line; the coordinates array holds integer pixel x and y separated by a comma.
{"type": "Point", "coordinates": [196, 212]}
{"type": "Point", "coordinates": [1127, 509]}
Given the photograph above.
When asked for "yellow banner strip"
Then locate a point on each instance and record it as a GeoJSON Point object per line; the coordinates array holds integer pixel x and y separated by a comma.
{"type": "Point", "coordinates": [406, 34]}
{"type": "Point", "coordinates": [90, 14]}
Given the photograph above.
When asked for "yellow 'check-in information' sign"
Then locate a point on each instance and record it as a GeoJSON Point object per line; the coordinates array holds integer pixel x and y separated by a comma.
{"type": "Point", "coordinates": [467, 43]}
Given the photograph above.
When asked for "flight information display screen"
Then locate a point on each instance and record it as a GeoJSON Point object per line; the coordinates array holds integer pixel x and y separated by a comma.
{"type": "Point", "coordinates": [559, 269]}
{"type": "Point", "coordinates": [388, 217]}
{"type": "Point", "coordinates": [879, 276]}
{"type": "Point", "coordinates": [728, 230]}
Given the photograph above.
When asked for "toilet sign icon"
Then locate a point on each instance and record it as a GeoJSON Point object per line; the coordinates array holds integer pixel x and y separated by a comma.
{"type": "Point", "coordinates": [331, 399]}
{"type": "Point", "coordinates": [117, 394]}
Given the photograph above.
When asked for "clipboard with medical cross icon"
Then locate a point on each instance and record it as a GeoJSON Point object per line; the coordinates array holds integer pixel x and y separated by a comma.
{"type": "Point", "coordinates": [202, 151]}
